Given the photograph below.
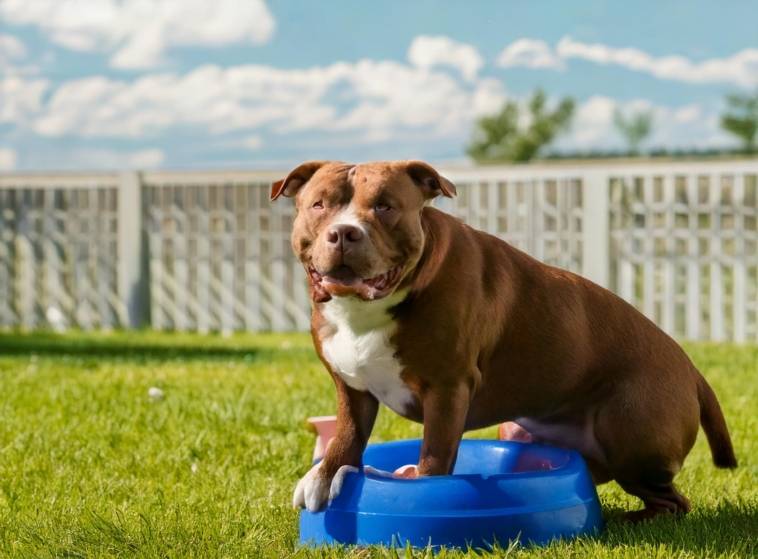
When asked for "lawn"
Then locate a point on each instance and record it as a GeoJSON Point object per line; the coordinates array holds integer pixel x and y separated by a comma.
{"type": "Point", "coordinates": [90, 466]}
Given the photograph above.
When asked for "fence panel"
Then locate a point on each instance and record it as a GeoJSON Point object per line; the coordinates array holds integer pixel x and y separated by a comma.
{"type": "Point", "coordinates": [219, 254]}
{"type": "Point", "coordinates": [59, 252]}
{"type": "Point", "coordinates": [540, 212]}
{"type": "Point", "coordinates": [206, 251]}
{"type": "Point", "coordinates": [684, 248]}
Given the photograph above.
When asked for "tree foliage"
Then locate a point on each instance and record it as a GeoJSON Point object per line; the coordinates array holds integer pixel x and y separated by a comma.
{"type": "Point", "coordinates": [634, 128]}
{"type": "Point", "coordinates": [741, 119]}
{"type": "Point", "coordinates": [510, 135]}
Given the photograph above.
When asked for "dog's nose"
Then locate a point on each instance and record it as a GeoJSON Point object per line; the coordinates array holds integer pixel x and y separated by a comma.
{"type": "Point", "coordinates": [343, 235]}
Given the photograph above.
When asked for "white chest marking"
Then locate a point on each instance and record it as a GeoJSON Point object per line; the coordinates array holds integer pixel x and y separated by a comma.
{"type": "Point", "coordinates": [360, 351]}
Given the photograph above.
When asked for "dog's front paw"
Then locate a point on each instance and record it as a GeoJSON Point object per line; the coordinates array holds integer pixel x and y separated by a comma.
{"type": "Point", "coordinates": [315, 488]}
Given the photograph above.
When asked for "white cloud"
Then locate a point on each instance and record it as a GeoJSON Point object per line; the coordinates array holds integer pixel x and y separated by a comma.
{"type": "Point", "coordinates": [8, 159]}
{"type": "Point", "coordinates": [220, 99]}
{"type": "Point", "coordinates": [530, 53]}
{"type": "Point", "coordinates": [362, 102]}
{"type": "Point", "coordinates": [592, 126]}
{"type": "Point", "coordinates": [20, 98]}
{"type": "Point", "coordinates": [382, 96]}
{"type": "Point", "coordinates": [100, 158]}
{"type": "Point", "coordinates": [12, 57]}
{"type": "Point", "coordinates": [487, 98]}
{"type": "Point", "coordinates": [145, 158]}
{"type": "Point", "coordinates": [393, 95]}
{"type": "Point", "coordinates": [378, 102]}
{"type": "Point", "coordinates": [253, 143]}
{"type": "Point", "coordinates": [11, 48]}
{"type": "Point", "coordinates": [431, 51]}
{"type": "Point", "coordinates": [740, 69]}
{"type": "Point", "coordinates": [687, 126]}
{"type": "Point", "coordinates": [688, 113]}
{"type": "Point", "coordinates": [138, 32]}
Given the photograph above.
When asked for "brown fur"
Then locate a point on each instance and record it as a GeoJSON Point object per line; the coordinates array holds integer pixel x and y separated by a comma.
{"type": "Point", "coordinates": [489, 334]}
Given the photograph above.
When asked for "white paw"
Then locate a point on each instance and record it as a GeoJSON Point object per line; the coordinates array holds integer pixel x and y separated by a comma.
{"type": "Point", "coordinates": [313, 490]}
{"type": "Point", "coordinates": [338, 480]}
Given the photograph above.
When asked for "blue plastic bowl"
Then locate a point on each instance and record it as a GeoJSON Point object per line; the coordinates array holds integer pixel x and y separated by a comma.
{"type": "Point", "coordinates": [499, 491]}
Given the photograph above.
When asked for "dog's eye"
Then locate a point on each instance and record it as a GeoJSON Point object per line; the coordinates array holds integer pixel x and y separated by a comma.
{"type": "Point", "coordinates": [382, 207]}
{"type": "Point", "coordinates": [318, 205]}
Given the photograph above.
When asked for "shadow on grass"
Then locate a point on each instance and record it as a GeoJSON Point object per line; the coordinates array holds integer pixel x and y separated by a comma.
{"type": "Point", "coordinates": [136, 347]}
{"type": "Point", "coordinates": [730, 529]}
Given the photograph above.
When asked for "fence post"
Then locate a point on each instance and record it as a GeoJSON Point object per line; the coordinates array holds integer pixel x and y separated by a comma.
{"type": "Point", "coordinates": [595, 229]}
{"type": "Point", "coordinates": [130, 268]}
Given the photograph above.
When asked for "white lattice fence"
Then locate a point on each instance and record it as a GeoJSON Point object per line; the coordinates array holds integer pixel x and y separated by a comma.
{"type": "Point", "coordinates": [59, 253]}
{"type": "Point", "coordinates": [540, 213]}
{"type": "Point", "coordinates": [207, 251]}
{"type": "Point", "coordinates": [685, 248]}
{"type": "Point", "coordinates": [219, 255]}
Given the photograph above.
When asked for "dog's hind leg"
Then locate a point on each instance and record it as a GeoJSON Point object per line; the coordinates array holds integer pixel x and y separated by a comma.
{"type": "Point", "coordinates": [658, 497]}
{"type": "Point", "coordinates": [645, 437]}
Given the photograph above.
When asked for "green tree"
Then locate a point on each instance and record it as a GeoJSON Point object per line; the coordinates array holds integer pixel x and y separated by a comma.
{"type": "Point", "coordinates": [634, 128]}
{"type": "Point", "coordinates": [505, 136]}
{"type": "Point", "coordinates": [741, 119]}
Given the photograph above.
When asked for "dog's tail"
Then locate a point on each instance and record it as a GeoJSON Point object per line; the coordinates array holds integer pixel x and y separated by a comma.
{"type": "Point", "coordinates": [714, 425]}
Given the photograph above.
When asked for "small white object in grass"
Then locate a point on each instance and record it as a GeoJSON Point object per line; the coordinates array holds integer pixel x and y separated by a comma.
{"type": "Point", "coordinates": [193, 467]}
{"type": "Point", "coordinates": [155, 393]}
{"type": "Point", "coordinates": [55, 319]}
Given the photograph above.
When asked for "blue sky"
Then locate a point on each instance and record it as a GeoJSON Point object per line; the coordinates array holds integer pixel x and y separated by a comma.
{"type": "Point", "coordinates": [90, 84]}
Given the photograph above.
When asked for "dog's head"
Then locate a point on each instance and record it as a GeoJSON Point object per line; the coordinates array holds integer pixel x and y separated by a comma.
{"type": "Point", "coordinates": [358, 227]}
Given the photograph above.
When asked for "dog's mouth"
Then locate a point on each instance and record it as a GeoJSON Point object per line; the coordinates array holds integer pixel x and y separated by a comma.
{"type": "Point", "coordinates": [343, 281]}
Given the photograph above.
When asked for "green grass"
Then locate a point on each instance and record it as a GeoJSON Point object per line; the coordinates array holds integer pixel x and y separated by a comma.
{"type": "Point", "coordinates": [91, 467]}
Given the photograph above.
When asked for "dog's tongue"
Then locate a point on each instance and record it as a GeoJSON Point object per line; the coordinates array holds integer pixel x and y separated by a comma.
{"type": "Point", "coordinates": [343, 281]}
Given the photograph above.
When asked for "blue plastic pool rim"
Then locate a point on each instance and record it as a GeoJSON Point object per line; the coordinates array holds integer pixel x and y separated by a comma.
{"type": "Point", "coordinates": [580, 503]}
{"type": "Point", "coordinates": [574, 463]}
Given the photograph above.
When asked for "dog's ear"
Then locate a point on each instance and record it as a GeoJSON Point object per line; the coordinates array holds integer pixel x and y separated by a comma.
{"type": "Point", "coordinates": [296, 178]}
{"type": "Point", "coordinates": [429, 180]}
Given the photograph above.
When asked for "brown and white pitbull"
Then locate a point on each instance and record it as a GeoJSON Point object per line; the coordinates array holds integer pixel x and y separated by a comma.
{"type": "Point", "coordinates": [452, 327]}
